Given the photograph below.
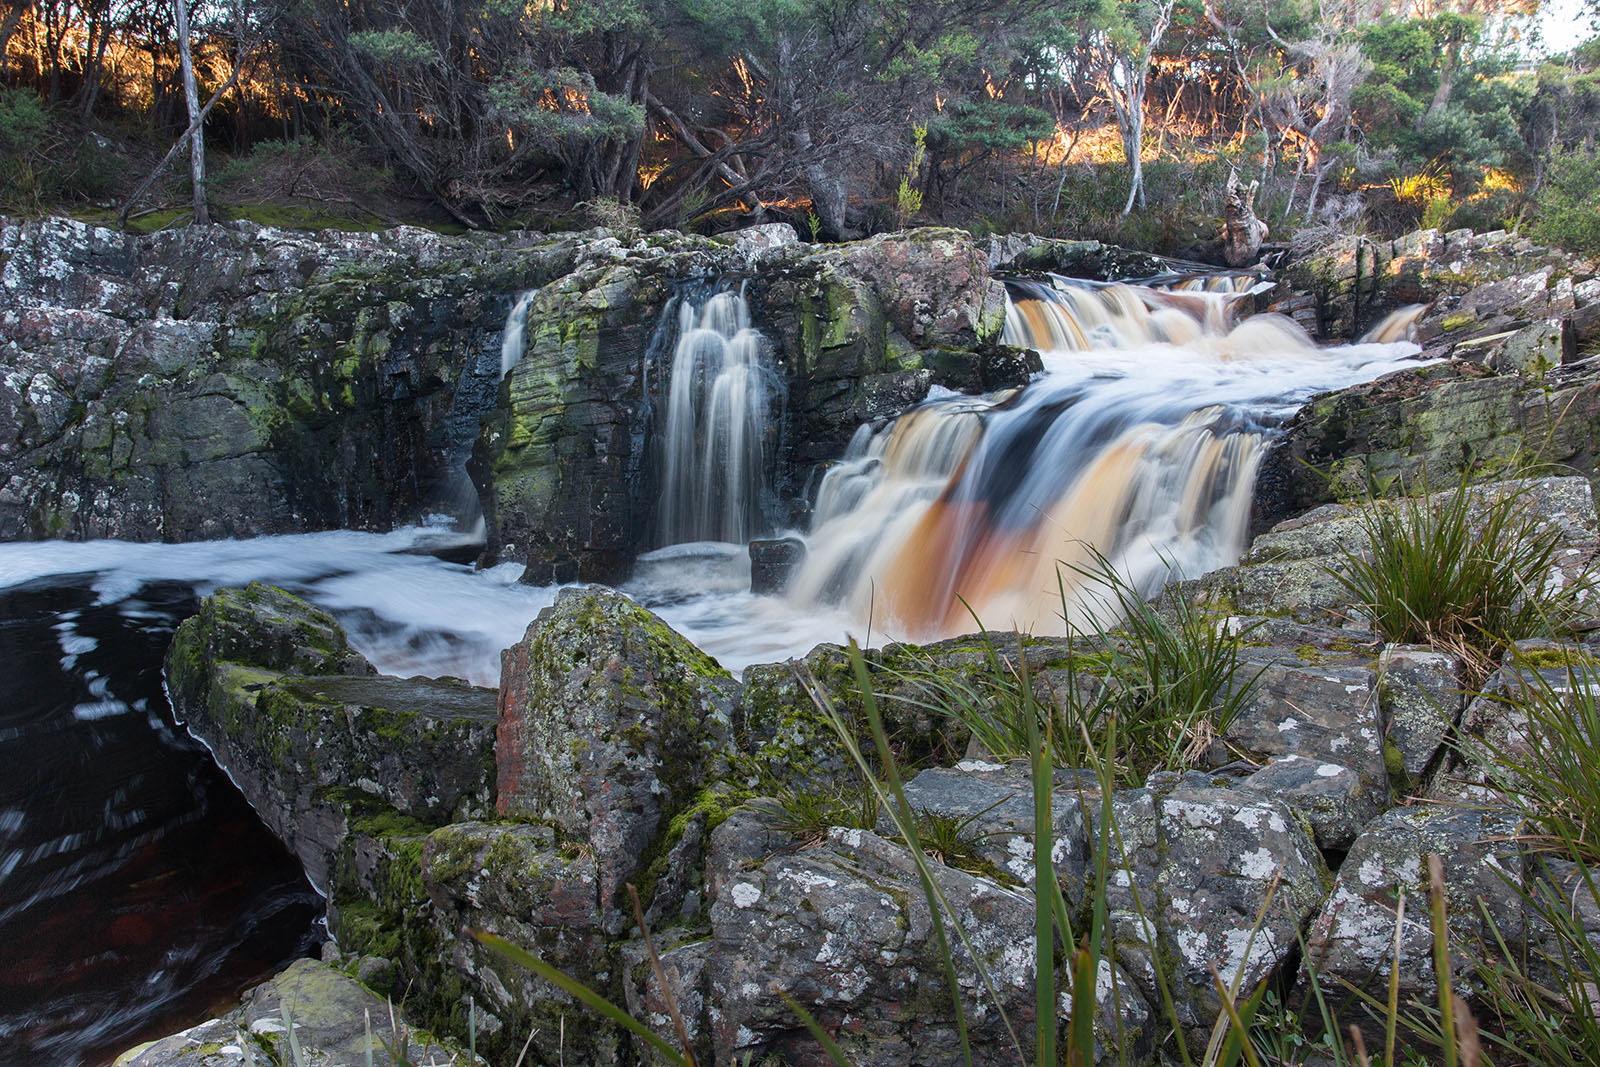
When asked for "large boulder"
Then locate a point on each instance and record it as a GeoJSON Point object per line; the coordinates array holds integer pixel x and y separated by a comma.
{"type": "Point", "coordinates": [610, 724]}
{"type": "Point", "coordinates": [315, 740]}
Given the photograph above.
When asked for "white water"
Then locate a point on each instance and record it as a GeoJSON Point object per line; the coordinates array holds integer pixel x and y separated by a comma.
{"type": "Point", "coordinates": [714, 440]}
{"type": "Point", "coordinates": [1140, 441]}
{"type": "Point", "coordinates": [514, 341]}
{"type": "Point", "coordinates": [1141, 435]}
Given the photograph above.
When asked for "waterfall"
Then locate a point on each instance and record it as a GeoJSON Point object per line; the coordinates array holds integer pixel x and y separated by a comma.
{"type": "Point", "coordinates": [714, 442]}
{"type": "Point", "coordinates": [1139, 444]}
{"type": "Point", "coordinates": [515, 338]}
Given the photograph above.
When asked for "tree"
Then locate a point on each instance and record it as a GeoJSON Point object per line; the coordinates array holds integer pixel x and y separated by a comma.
{"type": "Point", "coordinates": [1122, 47]}
{"type": "Point", "coordinates": [191, 96]}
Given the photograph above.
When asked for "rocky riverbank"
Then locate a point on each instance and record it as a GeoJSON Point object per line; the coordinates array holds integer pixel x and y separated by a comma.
{"type": "Point", "coordinates": [623, 756]}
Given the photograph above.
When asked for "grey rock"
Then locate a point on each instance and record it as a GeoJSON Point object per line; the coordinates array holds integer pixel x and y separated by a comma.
{"type": "Point", "coordinates": [609, 724]}
{"type": "Point", "coordinates": [845, 930]}
{"type": "Point", "coordinates": [1353, 936]}
{"type": "Point", "coordinates": [337, 1023]}
{"type": "Point", "coordinates": [1334, 800]}
{"type": "Point", "coordinates": [772, 562]}
{"type": "Point", "coordinates": [1420, 697]}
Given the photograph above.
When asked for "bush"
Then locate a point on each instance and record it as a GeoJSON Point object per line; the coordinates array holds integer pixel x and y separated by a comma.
{"type": "Point", "coordinates": [26, 183]}
{"type": "Point", "coordinates": [1565, 207]}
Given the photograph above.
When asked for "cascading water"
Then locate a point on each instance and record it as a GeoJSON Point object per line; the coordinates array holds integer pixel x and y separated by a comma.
{"type": "Point", "coordinates": [1140, 444]}
{"type": "Point", "coordinates": [1141, 439]}
{"type": "Point", "coordinates": [714, 440]}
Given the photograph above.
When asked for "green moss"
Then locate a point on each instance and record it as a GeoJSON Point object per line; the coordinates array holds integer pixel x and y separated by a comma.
{"type": "Point", "coordinates": [1394, 764]}
{"type": "Point", "coordinates": [1547, 658]}
{"type": "Point", "coordinates": [1459, 320]}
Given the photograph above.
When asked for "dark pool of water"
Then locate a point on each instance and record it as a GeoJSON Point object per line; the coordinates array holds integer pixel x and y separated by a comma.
{"type": "Point", "coordinates": [138, 890]}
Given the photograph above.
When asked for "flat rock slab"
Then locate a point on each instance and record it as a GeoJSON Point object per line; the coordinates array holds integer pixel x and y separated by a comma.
{"type": "Point", "coordinates": [337, 1022]}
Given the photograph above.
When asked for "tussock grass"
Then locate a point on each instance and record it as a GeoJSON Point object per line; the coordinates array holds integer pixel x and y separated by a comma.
{"type": "Point", "coordinates": [1466, 570]}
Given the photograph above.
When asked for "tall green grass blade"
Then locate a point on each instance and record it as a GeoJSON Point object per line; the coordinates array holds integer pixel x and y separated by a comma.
{"type": "Point", "coordinates": [1393, 1014]}
{"type": "Point", "coordinates": [1044, 875]}
{"type": "Point", "coordinates": [1239, 1032]}
{"type": "Point", "coordinates": [907, 825]}
{"type": "Point", "coordinates": [1441, 958]}
{"type": "Point", "coordinates": [577, 990]}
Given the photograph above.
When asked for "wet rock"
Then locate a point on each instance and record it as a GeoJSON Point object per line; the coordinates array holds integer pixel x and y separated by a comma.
{"type": "Point", "coordinates": [1353, 937]}
{"type": "Point", "coordinates": [772, 562]}
{"type": "Point", "coordinates": [609, 724]}
{"type": "Point", "coordinates": [260, 677]}
{"type": "Point", "coordinates": [337, 1023]}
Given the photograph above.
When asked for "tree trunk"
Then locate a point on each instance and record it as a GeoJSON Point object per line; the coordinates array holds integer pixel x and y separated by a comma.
{"type": "Point", "coordinates": [191, 96]}
{"type": "Point", "coordinates": [14, 16]}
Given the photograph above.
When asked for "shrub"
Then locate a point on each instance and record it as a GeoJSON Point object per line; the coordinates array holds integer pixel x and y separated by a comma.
{"type": "Point", "coordinates": [1466, 570]}
{"type": "Point", "coordinates": [1565, 208]}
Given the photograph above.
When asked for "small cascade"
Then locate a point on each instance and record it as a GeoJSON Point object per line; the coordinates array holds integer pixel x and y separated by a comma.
{"type": "Point", "coordinates": [514, 341]}
{"type": "Point", "coordinates": [1139, 444]}
{"type": "Point", "coordinates": [714, 441]}
{"type": "Point", "coordinates": [1398, 325]}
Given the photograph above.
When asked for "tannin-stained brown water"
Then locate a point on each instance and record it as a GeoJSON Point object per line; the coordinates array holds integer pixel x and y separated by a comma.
{"type": "Point", "coordinates": [1137, 448]}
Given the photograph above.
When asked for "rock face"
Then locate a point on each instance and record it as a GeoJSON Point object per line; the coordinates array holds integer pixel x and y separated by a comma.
{"type": "Point", "coordinates": [1515, 318]}
{"type": "Point", "coordinates": [856, 333]}
{"type": "Point", "coordinates": [243, 380]}
{"type": "Point", "coordinates": [235, 380]}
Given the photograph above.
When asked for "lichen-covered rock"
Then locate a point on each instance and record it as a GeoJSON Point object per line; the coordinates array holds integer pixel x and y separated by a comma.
{"type": "Point", "coordinates": [310, 735]}
{"type": "Point", "coordinates": [233, 380]}
{"type": "Point", "coordinates": [844, 929]}
{"type": "Point", "coordinates": [1353, 936]}
{"type": "Point", "coordinates": [1189, 890]}
{"type": "Point", "coordinates": [1324, 711]}
{"type": "Point", "coordinates": [609, 724]}
{"type": "Point", "coordinates": [1420, 697]}
{"type": "Point", "coordinates": [1336, 801]}
{"type": "Point", "coordinates": [337, 1023]}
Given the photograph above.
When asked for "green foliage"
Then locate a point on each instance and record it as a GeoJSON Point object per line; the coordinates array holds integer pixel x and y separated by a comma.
{"type": "Point", "coordinates": [1175, 672]}
{"type": "Point", "coordinates": [1462, 570]}
{"type": "Point", "coordinates": [27, 184]}
{"type": "Point", "coordinates": [1566, 207]}
{"type": "Point", "coordinates": [23, 120]}
{"type": "Point", "coordinates": [400, 48]}
{"type": "Point", "coordinates": [989, 125]}
{"type": "Point", "coordinates": [557, 106]}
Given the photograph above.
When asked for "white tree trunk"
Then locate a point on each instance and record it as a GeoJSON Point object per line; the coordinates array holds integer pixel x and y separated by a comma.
{"type": "Point", "coordinates": [191, 96]}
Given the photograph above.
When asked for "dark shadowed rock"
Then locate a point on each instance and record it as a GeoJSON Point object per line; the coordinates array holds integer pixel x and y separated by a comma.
{"type": "Point", "coordinates": [772, 562]}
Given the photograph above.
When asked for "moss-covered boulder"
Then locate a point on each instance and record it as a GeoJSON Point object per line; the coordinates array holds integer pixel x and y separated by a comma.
{"type": "Point", "coordinates": [312, 736]}
{"type": "Point", "coordinates": [337, 1022]}
{"type": "Point", "coordinates": [610, 725]}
